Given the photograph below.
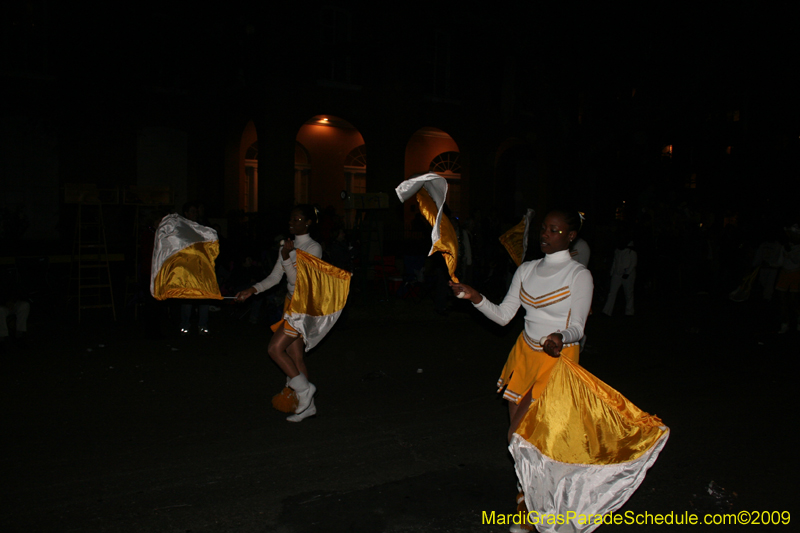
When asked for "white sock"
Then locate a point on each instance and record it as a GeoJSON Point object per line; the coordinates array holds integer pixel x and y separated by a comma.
{"type": "Point", "coordinates": [299, 382]}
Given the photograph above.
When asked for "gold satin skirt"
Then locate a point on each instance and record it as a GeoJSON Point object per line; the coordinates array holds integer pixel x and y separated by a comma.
{"type": "Point", "coordinates": [580, 419]}
{"type": "Point", "coordinates": [529, 369]}
{"type": "Point", "coordinates": [583, 448]}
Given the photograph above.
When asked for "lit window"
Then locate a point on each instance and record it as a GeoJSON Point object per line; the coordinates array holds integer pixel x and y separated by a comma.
{"type": "Point", "coordinates": [446, 162]}
{"type": "Point", "coordinates": [446, 165]}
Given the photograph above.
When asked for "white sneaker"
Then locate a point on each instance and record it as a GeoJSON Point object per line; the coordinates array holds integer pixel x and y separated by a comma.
{"type": "Point", "coordinates": [299, 417]}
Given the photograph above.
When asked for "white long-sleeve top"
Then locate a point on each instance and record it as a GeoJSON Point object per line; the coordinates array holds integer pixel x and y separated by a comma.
{"type": "Point", "coordinates": [556, 293]}
{"type": "Point", "coordinates": [289, 266]}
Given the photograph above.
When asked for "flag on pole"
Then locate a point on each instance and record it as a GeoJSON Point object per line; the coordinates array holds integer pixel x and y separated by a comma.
{"type": "Point", "coordinates": [742, 292]}
{"type": "Point", "coordinates": [183, 260]}
{"type": "Point", "coordinates": [515, 240]}
{"type": "Point", "coordinates": [320, 294]}
{"type": "Point", "coordinates": [431, 193]}
{"type": "Point", "coordinates": [582, 448]}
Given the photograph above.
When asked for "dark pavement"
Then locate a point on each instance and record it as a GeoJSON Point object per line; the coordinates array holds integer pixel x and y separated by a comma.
{"type": "Point", "coordinates": [178, 435]}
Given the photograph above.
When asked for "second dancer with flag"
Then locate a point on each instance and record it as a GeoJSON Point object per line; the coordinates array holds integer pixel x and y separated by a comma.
{"type": "Point", "coordinates": [316, 294]}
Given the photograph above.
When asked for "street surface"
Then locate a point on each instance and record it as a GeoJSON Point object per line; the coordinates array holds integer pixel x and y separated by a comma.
{"type": "Point", "coordinates": [105, 431]}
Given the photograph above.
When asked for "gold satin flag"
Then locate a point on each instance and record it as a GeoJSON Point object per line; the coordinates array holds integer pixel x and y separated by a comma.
{"type": "Point", "coordinates": [183, 260]}
{"type": "Point", "coordinates": [448, 241]}
{"type": "Point", "coordinates": [430, 190]}
{"type": "Point", "coordinates": [515, 240]}
{"type": "Point", "coordinates": [320, 294]}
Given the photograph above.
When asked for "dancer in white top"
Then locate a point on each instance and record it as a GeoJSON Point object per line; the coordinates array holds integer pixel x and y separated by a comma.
{"type": "Point", "coordinates": [286, 346]}
{"type": "Point", "coordinates": [579, 446]}
{"type": "Point", "coordinates": [580, 251]}
{"type": "Point", "coordinates": [556, 293]}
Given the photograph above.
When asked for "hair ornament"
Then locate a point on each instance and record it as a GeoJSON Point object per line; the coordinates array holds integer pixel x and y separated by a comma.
{"type": "Point", "coordinates": [583, 218]}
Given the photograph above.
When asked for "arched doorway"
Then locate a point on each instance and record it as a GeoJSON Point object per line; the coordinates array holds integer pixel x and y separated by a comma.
{"type": "Point", "coordinates": [247, 182]}
{"type": "Point", "coordinates": [355, 179]}
{"type": "Point", "coordinates": [330, 157]}
{"type": "Point", "coordinates": [446, 165]}
{"type": "Point", "coordinates": [250, 191]}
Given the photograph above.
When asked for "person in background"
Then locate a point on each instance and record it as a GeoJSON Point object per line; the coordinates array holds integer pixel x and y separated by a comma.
{"type": "Point", "coordinates": [13, 303]}
{"type": "Point", "coordinates": [580, 251]}
{"type": "Point", "coordinates": [623, 273]}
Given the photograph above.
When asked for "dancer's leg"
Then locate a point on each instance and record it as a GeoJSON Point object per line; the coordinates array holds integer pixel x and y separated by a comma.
{"type": "Point", "coordinates": [296, 353]}
{"type": "Point", "coordinates": [277, 350]}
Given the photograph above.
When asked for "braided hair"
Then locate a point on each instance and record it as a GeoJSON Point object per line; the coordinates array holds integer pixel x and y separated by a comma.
{"type": "Point", "coordinates": [573, 218]}
{"type": "Point", "coordinates": [309, 211]}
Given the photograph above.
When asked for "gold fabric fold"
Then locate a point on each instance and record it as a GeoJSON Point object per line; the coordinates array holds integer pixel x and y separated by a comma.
{"type": "Point", "coordinates": [448, 241]}
{"type": "Point", "coordinates": [189, 273]}
{"type": "Point", "coordinates": [321, 288]}
{"type": "Point", "coordinates": [281, 324]}
{"type": "Point", "coordinates": [514, 241]}
{"type": "Point", "coordinates": [578, 419]}
{"type": "Point", "coordinates": [320, 295]}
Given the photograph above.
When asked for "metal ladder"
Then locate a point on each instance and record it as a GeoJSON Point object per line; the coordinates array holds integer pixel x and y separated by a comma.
{"type": "Point", "coordinates": [91, 272]}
